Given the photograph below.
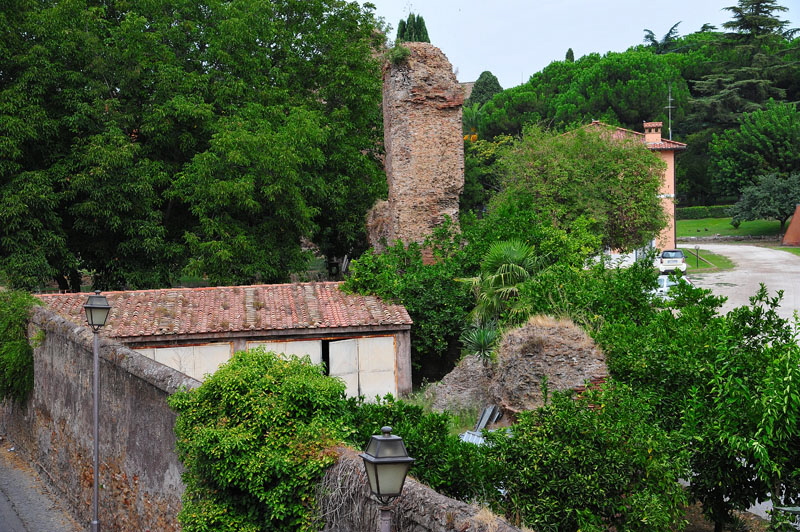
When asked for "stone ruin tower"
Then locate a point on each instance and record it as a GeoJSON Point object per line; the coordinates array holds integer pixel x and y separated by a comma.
{"type": "Point", "coordinates": [424, 163]}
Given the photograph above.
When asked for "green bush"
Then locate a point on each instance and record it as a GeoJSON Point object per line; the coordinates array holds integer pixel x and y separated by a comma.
{"type": "Point", "coordinates": [701, 211]}
{"type": "Point", "coordinates": [443, 461]}
{"type": "Point", "coordinates": [592, 463]}
{"type": "Point", "coordinates": [16, 352]}
{"type": "Point", "coordinates": [255, 439]}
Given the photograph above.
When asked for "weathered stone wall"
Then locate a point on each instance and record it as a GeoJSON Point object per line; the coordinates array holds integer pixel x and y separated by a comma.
{"type": "Point", "coordinates": [346, 504]}
{"type": "Point", "coordinates": [140, 485]}
{"type": "Point", "coordinates": [424, 146]}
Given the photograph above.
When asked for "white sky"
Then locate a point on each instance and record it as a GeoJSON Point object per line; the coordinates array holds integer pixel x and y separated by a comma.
{"type": "Point", "coordinates": [514, 39]}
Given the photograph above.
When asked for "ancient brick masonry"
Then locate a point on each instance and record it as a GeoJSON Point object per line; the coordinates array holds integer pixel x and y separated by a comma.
{"type": "Point", "coordinates": [422, 103]}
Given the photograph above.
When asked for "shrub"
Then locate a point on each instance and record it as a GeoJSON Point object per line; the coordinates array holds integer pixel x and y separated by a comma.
{"type": "Point", "coordinates": [255, 440]}
{"type": "Point", "coordinates": [591, 463]}
{"type": "Point", "coordinates": [16, 352]}
{"type": "Point", "coordinates": [702, 211]}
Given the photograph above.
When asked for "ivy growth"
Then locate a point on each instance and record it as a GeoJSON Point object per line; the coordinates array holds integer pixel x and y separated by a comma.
{"type": "Point", "coordinates": [16, 351]}
{"type": "Point", "coordinates": [255, 439]}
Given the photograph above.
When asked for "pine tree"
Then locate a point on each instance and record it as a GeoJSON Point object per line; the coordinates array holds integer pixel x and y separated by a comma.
{"type": "Point", "coordinates": [412, 29]}
{"type": "Point", "coordinates": [570, 58]}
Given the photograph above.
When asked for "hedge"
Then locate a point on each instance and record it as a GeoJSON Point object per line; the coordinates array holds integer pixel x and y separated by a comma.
{"type": "Point", "coordinates": [703, 211]}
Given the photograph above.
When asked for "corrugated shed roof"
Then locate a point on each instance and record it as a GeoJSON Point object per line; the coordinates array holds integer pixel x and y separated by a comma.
{"type": "Point", "coordinates": [619, 132]}
{"type": "Point", "coordinates": [196, 311]}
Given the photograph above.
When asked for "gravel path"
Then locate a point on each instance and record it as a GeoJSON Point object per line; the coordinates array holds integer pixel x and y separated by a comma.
{"type": "Point", "coordinates": [25, 503]}
{"type": "Point", "coordinates": [778, 270]}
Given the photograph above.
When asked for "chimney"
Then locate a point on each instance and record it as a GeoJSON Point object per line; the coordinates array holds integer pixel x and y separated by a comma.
{"type": "Point", "coordinates": [652, 131]}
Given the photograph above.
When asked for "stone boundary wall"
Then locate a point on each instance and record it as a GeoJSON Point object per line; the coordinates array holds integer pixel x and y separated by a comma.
{"type": "Point", "coordinates": [346, 504]}
{"type": "Point", "coordinates": [140, 484]}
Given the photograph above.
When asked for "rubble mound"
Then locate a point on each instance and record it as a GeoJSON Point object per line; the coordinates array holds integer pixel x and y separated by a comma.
{"type": "Point", "coordinates": [545, 346]}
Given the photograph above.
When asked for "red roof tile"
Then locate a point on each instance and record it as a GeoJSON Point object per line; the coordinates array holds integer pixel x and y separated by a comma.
{"type": "Point", "coordinates": [619, 132]}
{"type": "Point", "coordinates": [197, 311]}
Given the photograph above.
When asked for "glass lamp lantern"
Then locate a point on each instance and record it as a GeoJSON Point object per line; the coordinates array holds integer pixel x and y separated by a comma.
{"type": "Point", "coordinates": [97, 309]}
{"type": "Point", "coordinates": [386, 462]}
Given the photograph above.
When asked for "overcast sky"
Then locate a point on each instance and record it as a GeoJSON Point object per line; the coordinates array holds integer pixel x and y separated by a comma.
{"type": "Point", "coordinates": [513, 39]}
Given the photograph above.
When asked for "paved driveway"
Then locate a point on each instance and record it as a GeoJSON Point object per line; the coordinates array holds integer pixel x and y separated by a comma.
{"type": "Point", "coordinates": [778, 270]}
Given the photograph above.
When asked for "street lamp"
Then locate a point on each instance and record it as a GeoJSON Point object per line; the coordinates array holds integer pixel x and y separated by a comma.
{"type": "Point", "coordinates": [387, 463]}
{"type": "Point", "coordinates": [97, 309]}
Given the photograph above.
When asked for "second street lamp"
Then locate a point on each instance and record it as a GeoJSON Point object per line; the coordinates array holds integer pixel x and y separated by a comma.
{"type": "Point", "coordinates": [386, 462]}
{"type": "Point", "coordinates": [97, 309]}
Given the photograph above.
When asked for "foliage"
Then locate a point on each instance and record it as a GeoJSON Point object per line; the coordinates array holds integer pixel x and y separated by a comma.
{"type": "Point", "coordinates": [16, 352]}
{"type": "Point", "coordinates": [436, 302]}
{"type": "Point", "coordinates": [484, 88]}
{"type": "Point", "coordinates": [506, 266]}
{"type": "Point", "coordinates": [593, 462]}
{"type": "Point", "coordinates": [617, 88]}
{"type": "Point", "coordinates": [762, 144]}
{"type": "Point", "coordinates": [774, 197]}
{"type": "Point", "coordinates": [480, 340]}
{"type": "Point", "coordinates": [412, 29]}
{"type": "Point", "coordinates": [481, 172]}
{"type": "Point", "coordinates": [702, 211]}
{"type": "Point", "coordinates": [146, 140]}
{"type": "Point", "coordinates": [397, 54]}
{"type": "Point", "coordinates": [570, 56]}
{"type": "Point", "coordinates": [666, 43]}
{"type": "Point", "coordinates": [254, 439]}
{"type": "Point", "coordinates": [587, 172]}
{"type": "Point", "coordinates": [443, 461]}
{"type": "Point", "coordinates": [743, 415]}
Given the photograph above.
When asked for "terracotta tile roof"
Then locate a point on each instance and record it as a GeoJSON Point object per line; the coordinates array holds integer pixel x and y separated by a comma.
{"type": "Point", "coordinates": [618, 133]}
{"type": "Point", "coordinates": [197, 311]}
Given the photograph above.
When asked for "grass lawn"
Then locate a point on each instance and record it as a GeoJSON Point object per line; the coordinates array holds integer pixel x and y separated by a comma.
{"type": "Point", "coordinates": [723, 227]}
{"type": "Point", "coordinates": [708, 262]}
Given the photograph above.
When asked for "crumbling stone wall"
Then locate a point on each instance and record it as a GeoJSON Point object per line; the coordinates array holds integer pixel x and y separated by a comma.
{"type": "Point", "coordinates": [346, 504]}
{"type": "Point", "coordinates": [424, 162]}
{"type": "Point", "coordinates": [139, 469]}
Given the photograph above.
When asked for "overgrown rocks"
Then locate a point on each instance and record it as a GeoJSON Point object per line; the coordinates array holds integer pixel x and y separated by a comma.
{"type": "Point", "coordinates": [544, 347]}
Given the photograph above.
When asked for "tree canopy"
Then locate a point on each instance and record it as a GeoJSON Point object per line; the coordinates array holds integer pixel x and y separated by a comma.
{"type": "Point", "coordinates": [146, 140]}
{"type": "Point", "coordinates": [587, 172]}
{"type": "Point", "coordinates": [485, 87]}
{"type": "Point", "coordinates": [764, 143]}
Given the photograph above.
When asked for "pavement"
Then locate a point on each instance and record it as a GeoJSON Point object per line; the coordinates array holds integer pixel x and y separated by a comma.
{"type": "Point", "coordinates": [777, 269]}
{"type": "Point", "coordinates": [26, 504]}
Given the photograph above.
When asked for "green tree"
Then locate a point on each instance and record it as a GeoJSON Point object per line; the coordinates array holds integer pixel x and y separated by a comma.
{"type": "Point", "coordinates": [614, 181]}
{"type": "Point", "coordinates": [743, 416]}
{"type": "Point", "coordinates": [485, 87]}
{"type": "Point", "coordinates": [570, 57]}
{"type": "Point", "coordinates": [16, 349]}
{"type": "Point", "coordinates": [772, 198]}
{"type": "Point", "coordinates": [591, 463]}
{"type": "Point", "coordinates": [412, 29]}
{"type": "Point", "coordinates": [667, 42]}
{"type": "Point", "coordinates": [764, 143]}
{"type": "Point", "coordinates": [174, 137]}
{"type": "Point", "coordinates": [481, 172]}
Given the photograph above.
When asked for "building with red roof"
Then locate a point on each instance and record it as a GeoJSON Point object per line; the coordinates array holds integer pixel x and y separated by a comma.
{"type": "Point", "coordinates": [361, 339]}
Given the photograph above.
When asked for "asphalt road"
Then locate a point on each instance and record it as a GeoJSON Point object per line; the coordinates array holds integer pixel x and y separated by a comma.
{"type": "Point", "coordinates": [778, 270]}
{"type": "Point", "coordinates": [25, 503]}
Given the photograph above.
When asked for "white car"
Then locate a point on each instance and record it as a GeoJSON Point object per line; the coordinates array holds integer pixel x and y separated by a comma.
{"type": "Point", "coordinates": [665, 283]}
{"type": "Point", "coordinates": [671, 260]}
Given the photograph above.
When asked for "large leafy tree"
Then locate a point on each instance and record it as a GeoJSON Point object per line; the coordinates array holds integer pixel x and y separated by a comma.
{"type": "Point", "coordinates": [773, 198]}
{"type": "Point", "coordinates": [614, 181]}
{"type": "Point", "coordinates": [149, 139]}
{"type": "Point", "coordinates": [764, 143]}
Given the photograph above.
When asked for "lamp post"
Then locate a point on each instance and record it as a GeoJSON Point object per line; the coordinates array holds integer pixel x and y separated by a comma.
{"type": "Point", "coordinates": [386, 462]}
{"type": "Point", "coordinates": [97, 309]}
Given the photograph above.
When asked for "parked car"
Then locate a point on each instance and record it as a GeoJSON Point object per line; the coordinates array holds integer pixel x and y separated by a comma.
{"type": "Point", "coordinates": [666, 282]}
{"type": "Point", "coordinates": [671, 260]}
